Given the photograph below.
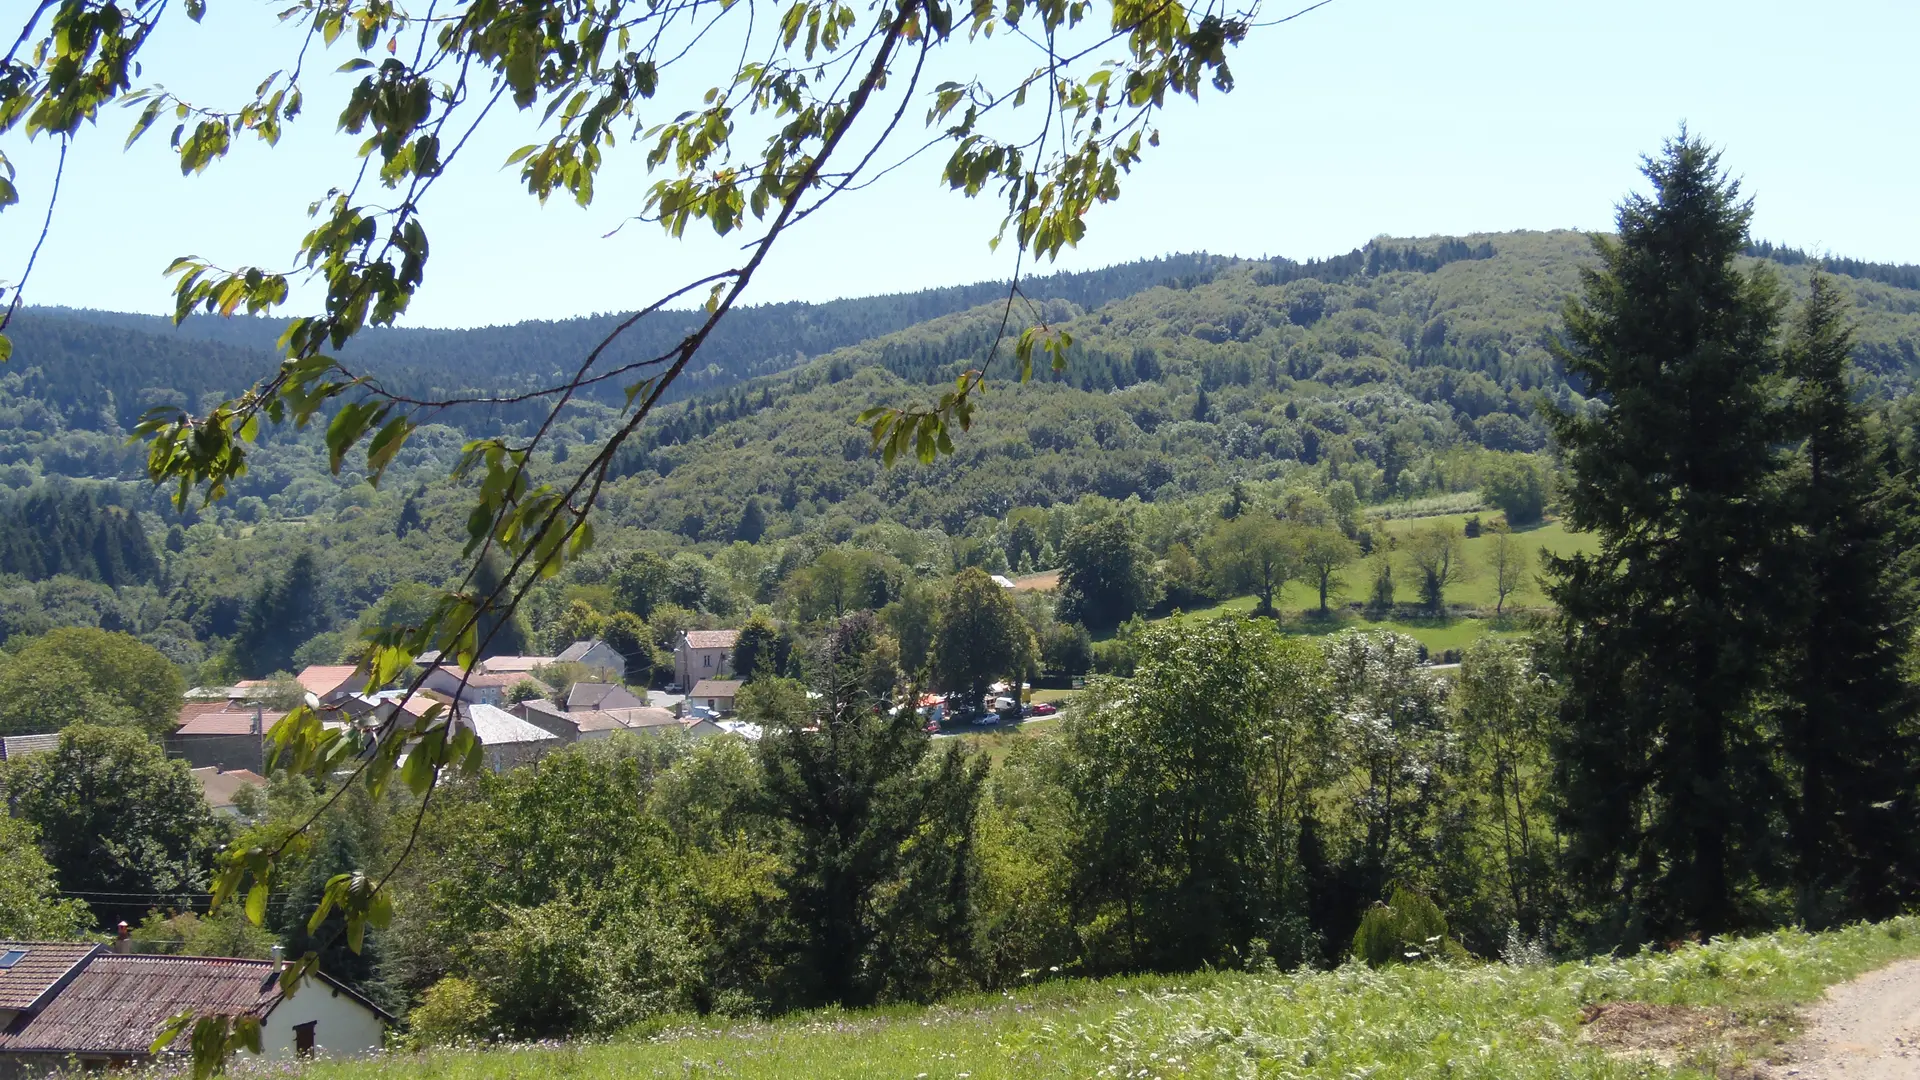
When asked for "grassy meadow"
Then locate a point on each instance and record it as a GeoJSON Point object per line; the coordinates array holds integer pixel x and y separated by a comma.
{"type": "Point", "coordinates": [1489, 1020]}
{"type": "Point", "coordinates": [1477, 589]}
{"type": "Point", "coordinates": [1299, 603]}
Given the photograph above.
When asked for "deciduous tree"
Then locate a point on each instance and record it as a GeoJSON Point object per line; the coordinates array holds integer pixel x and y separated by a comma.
{"type": "Point", "coordinates": [1254, 553]}
{"type": "Point", "coordinates": [1438, 559]}
{"type": "Point", "coordinates": [1324, 552]}
{"type": "Point", "coordinates": [1506, 705]}
{"type": "Point", "coordinates": [120, 823]}
{"type": "Point", "coordinates": [1515, 486]}
{"type": "Point", "coordinates": [1509, 563]}
{"type": "Point", "coordinates": [31, 908]}
{"type": "Point", "coordinates": [753, 650]}
{"type": "Point", "coordinates": [979, 634]}
{"type": "Point", "coordinates": [75, 674]}
{"type": "Point", "coordinates": [1105, 575]}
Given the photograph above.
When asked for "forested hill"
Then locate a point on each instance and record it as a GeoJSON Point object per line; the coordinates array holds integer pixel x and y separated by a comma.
{"type": "Point", "coordinates": [1187, 372]}
{"type": "Point", "coordinates": [143, 359]}
{"type": "Point", "coordinates": [1388, 368]}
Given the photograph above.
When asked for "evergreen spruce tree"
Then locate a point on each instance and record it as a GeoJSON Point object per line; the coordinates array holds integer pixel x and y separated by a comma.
{"type": "Point", "coordinates": [1202, 406]}
{"type": "Point", "coordinates": [753, 521]}
{"type": "Point", "coordinates": [878, 874]}
{"type": "Point", "coordinates": [1845, 722]}
{"type": "Point", "coordinates": [409, 519]}
{"type": "Point", "coordinates": [281, 617]}
{"type": "Point", "coordinates": [1667, 631]}
{"type": "Point", "coordinates": [496, 634]}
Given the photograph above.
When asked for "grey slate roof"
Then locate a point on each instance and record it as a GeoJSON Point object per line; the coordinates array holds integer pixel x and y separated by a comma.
{"type": "Point", "coordinates": [573, 653]}
{"type": "Point", "coordinates": [14, 747]}
{"type": "Point", "coordinates": [497, 727]}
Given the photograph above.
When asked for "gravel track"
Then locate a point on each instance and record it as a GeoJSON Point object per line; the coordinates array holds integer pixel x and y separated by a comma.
{"type": "Point", "coordinates": [1867, 1029]}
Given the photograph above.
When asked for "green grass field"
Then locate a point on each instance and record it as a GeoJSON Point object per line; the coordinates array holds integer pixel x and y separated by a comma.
{"type": "Point", "coordinates": [1468, 1020]}
{"type": "Point", "coordinates": [1437, 635]}
{"type": "Point", "coordinates": [1478, 588]}
{"type": "Point", "coordinates": [1298, 601]}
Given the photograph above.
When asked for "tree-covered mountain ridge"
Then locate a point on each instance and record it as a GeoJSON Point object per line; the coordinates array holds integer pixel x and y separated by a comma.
{"type": "Point", "coordinates": [1383, 376]}
{"type": "Point", "coordinates": [1375, 365]}
{"type": "Point", "coordinates": [85, 355]}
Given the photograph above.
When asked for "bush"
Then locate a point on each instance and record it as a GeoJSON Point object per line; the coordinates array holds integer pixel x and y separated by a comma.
{"type": "Point", "coordinates": [190, 934]}
{"type": "Point", "coordinates": [1409, 927]}
{"type": "Point", "coordinates": [526, 689]}
{"type": "Point", "coordinates": [453, 1011]}
{"type": "Point", "coordinates": [1517, 489]}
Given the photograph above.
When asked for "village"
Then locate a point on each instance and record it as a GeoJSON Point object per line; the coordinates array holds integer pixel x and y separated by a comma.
{"type": "Point", "coordinates": [104, 1004]}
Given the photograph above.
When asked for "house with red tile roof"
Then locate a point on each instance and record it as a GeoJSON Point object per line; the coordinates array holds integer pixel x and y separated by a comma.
{"type": "Point", "coordinates": [221, 788]}
{"type": "Point", "coordinates": [221, 735]}
{"type": "Point", "coordinates": [332, 683]}
{"type": "Point", "coordinates": [65, 1003]}
{"type": "Point", "coordinates": [703, 654]}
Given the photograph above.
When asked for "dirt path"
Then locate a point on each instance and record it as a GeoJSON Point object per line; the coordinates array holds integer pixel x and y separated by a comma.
{"type": "Point", "coordinates": [1868, 1029]}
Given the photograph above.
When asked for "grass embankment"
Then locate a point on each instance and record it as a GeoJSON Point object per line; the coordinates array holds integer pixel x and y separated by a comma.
{"type": "Point", "coordinates": [1484, 1021]}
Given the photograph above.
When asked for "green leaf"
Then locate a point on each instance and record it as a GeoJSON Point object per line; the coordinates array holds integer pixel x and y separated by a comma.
{"type": "Point", "coordinates": [176, 1024]}
{"type": "Point", "coordinates": [6, 348]}
{"type": "Point", "coordinates": [145, 121]}
{"type": "Point", "coordinates": [386, 443]}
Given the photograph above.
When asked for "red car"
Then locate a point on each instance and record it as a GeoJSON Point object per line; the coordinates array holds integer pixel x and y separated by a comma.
{"type": "Point", "coordinates": [1044, 708]}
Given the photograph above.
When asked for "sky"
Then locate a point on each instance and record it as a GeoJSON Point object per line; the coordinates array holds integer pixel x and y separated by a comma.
{"type": "Point", "coordinates": [1359, 119]}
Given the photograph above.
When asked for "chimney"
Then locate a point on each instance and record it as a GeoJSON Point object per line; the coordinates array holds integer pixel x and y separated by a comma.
{"type": "Point", "coordinates": [123, 938]}
{"type": "Point", "coordinates": [279, 957]}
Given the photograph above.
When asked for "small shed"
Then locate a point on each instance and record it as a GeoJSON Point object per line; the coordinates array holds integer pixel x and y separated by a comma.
{"type": "Point", "coordinates": [716, 695]}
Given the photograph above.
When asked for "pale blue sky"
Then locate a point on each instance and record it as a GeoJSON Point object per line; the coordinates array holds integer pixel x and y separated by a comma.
{"type": "Point", "coordinates": [1364, 117]}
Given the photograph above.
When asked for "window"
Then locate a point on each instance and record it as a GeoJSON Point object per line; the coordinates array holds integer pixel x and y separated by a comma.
{"type": "Point", "coordinates": [303, 1038]}
{"type": "Point", "coordinates": [706, 660]}
{"type": "Point", "coordinates": [11, 957]}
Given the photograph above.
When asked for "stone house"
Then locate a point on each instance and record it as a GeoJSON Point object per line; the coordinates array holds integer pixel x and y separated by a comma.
{"type": "Point", "coordinates": [703, 654]}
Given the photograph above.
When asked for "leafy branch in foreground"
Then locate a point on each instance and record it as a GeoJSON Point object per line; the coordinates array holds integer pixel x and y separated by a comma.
{"type": "Point", "coordinates": [601, 72]}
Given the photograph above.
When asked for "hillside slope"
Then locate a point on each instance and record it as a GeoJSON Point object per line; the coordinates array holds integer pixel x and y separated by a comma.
{"type": "Point", "coordinates": [1179, 390]}
{"type": "Point", "coordinates": [1712, 1008]}
{"type": "Point", "coordinates": [210, 353]}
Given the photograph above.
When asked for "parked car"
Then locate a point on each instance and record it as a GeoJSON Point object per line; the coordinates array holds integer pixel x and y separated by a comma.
{"type": "Point", "coordinates": [988, 720]}
{"type": "Point", "coordinates": [933, 727]}
{"type": "Point", "coordinates": [1044, 708]}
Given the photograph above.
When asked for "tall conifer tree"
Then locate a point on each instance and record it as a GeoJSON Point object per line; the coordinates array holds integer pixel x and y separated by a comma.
{"type": "Point", "coordinates": [1845, 722]}
{"type": "Point", "coordinates": [281, 617]}
{"type": "Point", "coordinates": [1667, 630]}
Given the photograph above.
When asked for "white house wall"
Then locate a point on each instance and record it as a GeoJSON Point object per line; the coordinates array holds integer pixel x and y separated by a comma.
{"type": "Point", "coordinates": [342, 1027]}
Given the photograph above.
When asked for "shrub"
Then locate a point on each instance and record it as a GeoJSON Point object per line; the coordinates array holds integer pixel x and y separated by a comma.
{"type": "Point", "coordinates": [1408, 927]}
{"type": "Point", "coordinates": [453, 1011]}
{"type": "Point", "coordinates": [1517, 489]}
{"type": "Point", "coordinates": [526, 690]}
